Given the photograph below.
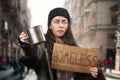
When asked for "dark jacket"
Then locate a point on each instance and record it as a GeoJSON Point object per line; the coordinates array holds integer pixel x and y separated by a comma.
{"type": "Point", "coordinates": [36, 59]}
{"type": "Point", "coordinates": [87, 76]}
{"type": "Point", "coordinates": [84, 76]}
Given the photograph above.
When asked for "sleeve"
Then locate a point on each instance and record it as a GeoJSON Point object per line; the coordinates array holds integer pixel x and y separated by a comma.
{"type": "Point", "coordinates": [30, 58]}
{"type": "Point", "coordinates": [101, 76]}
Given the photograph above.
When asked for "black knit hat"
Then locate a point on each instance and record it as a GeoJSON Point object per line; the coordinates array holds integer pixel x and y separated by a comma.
{"type": "Point", "coordinates": [58, 12]}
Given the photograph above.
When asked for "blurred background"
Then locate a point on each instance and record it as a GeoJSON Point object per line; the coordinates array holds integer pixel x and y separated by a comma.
{"type": "Point", "coordinates": [95, 24]}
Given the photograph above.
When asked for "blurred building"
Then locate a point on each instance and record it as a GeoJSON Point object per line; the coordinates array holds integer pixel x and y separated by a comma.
{"type": "Point", "coordinates": [94, 24]}
{"type": "Point", "coordinates": [14, 17]}
{"type": "Point", "coordinates": [117, 67]}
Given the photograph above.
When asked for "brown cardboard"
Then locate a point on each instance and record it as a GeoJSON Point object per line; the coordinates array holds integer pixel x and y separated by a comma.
{"type": "Point", "coordinates": [72, 58]}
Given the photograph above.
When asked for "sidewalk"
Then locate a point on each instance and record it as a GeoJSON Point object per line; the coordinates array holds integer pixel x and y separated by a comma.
{"type": "Point", "coordinates": [5, 71]}
{"type": "Point", "coordinates": [115, 75]}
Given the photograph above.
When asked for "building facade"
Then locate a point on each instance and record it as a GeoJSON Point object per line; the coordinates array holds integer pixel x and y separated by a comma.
{"type": "Point", "coordinates": [14, 17]}
{"type": "Point", "coordinates": [94, 23]}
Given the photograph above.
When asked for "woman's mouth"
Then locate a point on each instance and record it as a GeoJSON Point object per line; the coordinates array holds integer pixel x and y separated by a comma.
{"type": "Point", "coordinates": [60, 31]}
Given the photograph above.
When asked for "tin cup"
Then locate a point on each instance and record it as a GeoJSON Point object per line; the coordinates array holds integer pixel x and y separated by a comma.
{"type": "Point", "coordinates": [36, 34]}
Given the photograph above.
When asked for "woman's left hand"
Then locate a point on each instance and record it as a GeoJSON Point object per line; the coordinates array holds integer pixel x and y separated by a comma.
{"type": "Point", "coordinates": [94, 71]}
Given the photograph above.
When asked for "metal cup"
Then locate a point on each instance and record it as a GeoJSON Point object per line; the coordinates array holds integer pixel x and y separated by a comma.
{"type": "Point", "coordinates": [36, 34]}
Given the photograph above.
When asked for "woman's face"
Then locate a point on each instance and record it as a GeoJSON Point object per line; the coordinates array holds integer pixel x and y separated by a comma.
{"type": "Point", "coordinates": [59, 26]}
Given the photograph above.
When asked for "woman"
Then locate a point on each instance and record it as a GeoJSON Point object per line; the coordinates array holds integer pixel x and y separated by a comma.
{"type": "Point", "coordinates": [59, 31]}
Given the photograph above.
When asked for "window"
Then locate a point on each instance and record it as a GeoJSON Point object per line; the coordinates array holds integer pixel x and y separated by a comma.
{"type": "Point", "coordinates": [114, 10]}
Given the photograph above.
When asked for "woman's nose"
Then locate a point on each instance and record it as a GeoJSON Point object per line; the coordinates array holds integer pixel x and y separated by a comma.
{"type": "Point", "coordinates": [61, 24]}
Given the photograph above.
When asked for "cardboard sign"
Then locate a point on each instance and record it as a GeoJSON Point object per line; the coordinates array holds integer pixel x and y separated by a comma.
{"type": "Point", "coordinates": [75, 59]}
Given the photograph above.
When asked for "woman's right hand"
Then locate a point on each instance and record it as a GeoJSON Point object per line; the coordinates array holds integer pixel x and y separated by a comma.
{"type": "Point", "coordinates": [23, 37]}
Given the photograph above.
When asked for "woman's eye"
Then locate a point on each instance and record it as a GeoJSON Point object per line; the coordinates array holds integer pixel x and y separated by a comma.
{"type": "Point", "coordinates": [56, 21]}
{"type": "Point", "coordinates": [64, 22]}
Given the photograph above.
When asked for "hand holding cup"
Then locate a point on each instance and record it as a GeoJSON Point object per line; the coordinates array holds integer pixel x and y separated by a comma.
{"type": "Point", "coordinates": [23, 37]}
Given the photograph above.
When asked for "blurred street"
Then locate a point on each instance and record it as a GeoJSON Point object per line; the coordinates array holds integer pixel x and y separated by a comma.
{"type": "Point", "coordinates": [114, 75]}
{"type": "Point", "coordinates": [9, 74]}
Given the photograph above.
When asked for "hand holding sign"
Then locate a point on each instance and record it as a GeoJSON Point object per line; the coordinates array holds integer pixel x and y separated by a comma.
{"type": "Point", "coordinates": [73, 58]}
